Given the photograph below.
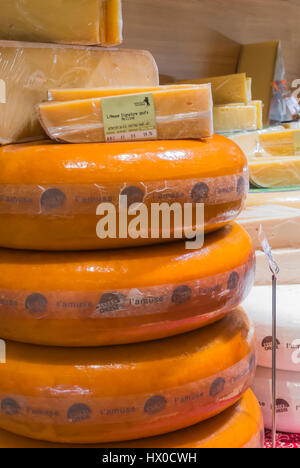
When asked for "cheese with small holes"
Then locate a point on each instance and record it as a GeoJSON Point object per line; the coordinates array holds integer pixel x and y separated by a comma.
{"type": "Point", "coordinates": [59, 203]}
{"type": "Point", "coordinates": [126, 392]}
{"type": "Point", "coordinates": [30, 69]}
{"type": "Point", "coordinates": [283, 197]}
{"type": "Point", "coordinates": [288, 261]}
{"type": "Point", "coordinates": [238, 427]}
{"type": "Point", "coordinates": [104, 298]}
{"type": "Point", "coordinates": [226, 89]}
{"type": "Point", "coordinates": [67, 22]}
{"type": "Point", "coordinates": [180, 113]}
{"type": "Point", "coordinates": [235, 118]}
{"type": "Point", "coordinates": [281, 224]}
{"type": "Point", "coordinates": [275, 171]}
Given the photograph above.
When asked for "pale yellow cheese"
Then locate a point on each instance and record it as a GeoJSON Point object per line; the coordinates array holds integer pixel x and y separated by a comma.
{"type": "Point", "coordinates": [288, 261]}
{"type": "Point", "coordinates": [283, 197]}
{"type": "Point", "coordinates": [235, 118]}
{"type": "Point", "coordinates": [66, 22]}
{"type": "Point", "coordinates": [29, 70]}
{"type": "Point", "coordinates": [275, 172]}
{"type": "Point", "coordinates": [249, 89]}
{"type": "Point", "coordinates": [182, 113]}
{"type": "Point", "coordinates": [226, 89]}
{"type": "Point", "coordinates": [281, 143]}
{"type": "Point", "coordinates": [249, 142]}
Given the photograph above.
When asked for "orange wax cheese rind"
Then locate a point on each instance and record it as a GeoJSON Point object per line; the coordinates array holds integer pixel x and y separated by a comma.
{"type": "Point", "coordinates": [238, 427]}
{"type": "Point", "coordinates": [54, 205]}
{"type": "Point", "coordinates": [103, 298]}
{"type": "Point", "coordinates": [28, 70]}
{"type": "Point", "coordinates": [119, 393]}
{"type": "Point", "coordinates": [182, 113]}
{"type": "Point", "coordinates": [77, 22]}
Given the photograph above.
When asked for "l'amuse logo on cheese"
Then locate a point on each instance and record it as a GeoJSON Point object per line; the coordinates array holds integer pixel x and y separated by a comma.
{"type": "Point", "coordinates": [136, 220]}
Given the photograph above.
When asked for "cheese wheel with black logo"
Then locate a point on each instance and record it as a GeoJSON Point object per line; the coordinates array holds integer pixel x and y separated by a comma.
{"type": "Point", "coordinates": [123, 296]}
{"type": "Point", "coordinates": [258, 306]}
{"type": "Point", "coordinates": [50, 194]}
{"type": "Point", "coordinates": [287, 398]}
{"type": "Point", "coordinates": [99, 395]}
{"type": "Point", "coordinates": [238, 427]}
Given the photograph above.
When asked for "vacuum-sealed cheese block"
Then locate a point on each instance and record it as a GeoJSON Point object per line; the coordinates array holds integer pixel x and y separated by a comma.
{"type": "Point", "coordinates": [29, 70]}
{"type": "Point", "coordinates": [281, 143]}
{"type": "Point", "coordinates": [75, 22]}
{"type": "Point", "coordinates": [281, 224]}
{"type": "Point", "coordinates": [275, 172]}
{"type": "Point", "coordinates": [288, 261]}
{"type": "Point", "coordinates": [258, 307]}
{"type": "Point", "coordinates": [167, 114]}
{"type": "Point", "coordinates": [126, 392]}
{"type": "Point", "coordinates": [131, 295]}
{"type": "Point", "coordinates": [60, 203]}
{"type": "Point", "coordinates": [285, 197]}
{"type": "Point", "coordinates": [226, 89]}
{"type": "Point", "coordinates": [238, 427]}
{"type": "Point", "coordinates": [287, 402]}
{"type": "Point", "coordinates": [235, 118]}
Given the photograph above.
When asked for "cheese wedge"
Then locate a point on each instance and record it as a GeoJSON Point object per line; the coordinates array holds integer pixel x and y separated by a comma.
{"type": "Point", "coordinates": [283, 197]}
{"type": "Point", "coordinates": [103, 298]}
{"type": "Point", "coordinates": [275, 172]}
{"type": "Point", "coordinates": [29, 70]}
{"type": "Point", "coordinates": [235, 118]}
{"type": "Point", "coordinates": [76, 22]}
{"type": "Point", "coordinates": [126, 392]}
{"type": "Point", "coordinates": [179, 114]}
{"type": "Point", "coordinates": [288, 261]}
{"type": "Point", "coordinates": [281, 143]}
{"type": "Point", "coordinates": [54, 205]}
{"type": "Point", "coordinates": [238, 427]}
{"type": "Point", "coordinates": [226, 89]}
{"type": "Point", "coordinates": [281, 224]}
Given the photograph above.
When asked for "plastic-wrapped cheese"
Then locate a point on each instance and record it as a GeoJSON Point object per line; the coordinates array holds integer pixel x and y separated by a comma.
{"type": "Point", "coordinates": [288, 398]}
{"type": "Point", "coordinates": [53, 205]}
{"type": "Point", "coordinates": [104, 298]}
{"type": "Point", "coordinates": [288, 261]}
{"type": "Point", "coordinates": [258, 306]}
{"type": "Point", "coordinates": [238, 427]}
{"type": "Point", "coordinates": [76, 22]}
{"type": "Point", "coordinates": [275, 171]}
{"type": "Point", "coordinates": [281, 224]}
{"type": "Point", "coordinates": [126, 392]}
{"type": "Point", "coordinates": [28, 70]}
{"type": "Point", "coordinates": [181, 113]}
{"type": "Point", "coordinates": [284, 197]}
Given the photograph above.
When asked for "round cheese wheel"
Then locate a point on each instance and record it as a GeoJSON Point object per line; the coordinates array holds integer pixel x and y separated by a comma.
{"type": "Point", "coordinates": [123, 296]}
{"type": "Point", "coordinates": [126, 392]}
{"type": "Point", "coordinates": [238, 427]}
{"type": "Point", "coordinates": [258, 305]}
{"type": "Point", "coordinates": [287, 401]}
{"type": "Point", "coordinates": [49, 193]}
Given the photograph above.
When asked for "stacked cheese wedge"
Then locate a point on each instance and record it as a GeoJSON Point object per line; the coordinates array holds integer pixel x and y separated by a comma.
{"type": "Point", "coordinates": [278, 212]}
{"type": "Point", "coordinates": [234, 108]}
{"type": "Point", "coordinates": [112, 337]}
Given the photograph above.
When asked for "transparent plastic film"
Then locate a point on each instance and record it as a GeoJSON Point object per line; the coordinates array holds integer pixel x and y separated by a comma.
{"type": "Point", "coordinates": [289, 261]}
{"type": "Point", "coordinates": [28, 70]}
{"type": "Point", "coordinates": [178, 113]}
{"type": "Point", "coordinates": [88, 23]}
{"type": "Point", "coordinates": [137, 390]}
{"type": "Point", "coordinates": [286, 196]}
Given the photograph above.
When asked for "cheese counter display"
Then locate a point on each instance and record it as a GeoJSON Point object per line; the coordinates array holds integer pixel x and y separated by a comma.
{"type": "Point", "coordinates": [28, 70]}
{"type": "Point", "coordinates": [126, 392]}
{"type": "Point", "coordinates": [103, 298]}
{"type": "Point", "coordinates": [88, 22]}
{"type": "Point", "coordinates": [179, 113]}
{"type": "Point", "coordinates": [238, 427]}
{"type": "Point", "coordinates": [49, 193]}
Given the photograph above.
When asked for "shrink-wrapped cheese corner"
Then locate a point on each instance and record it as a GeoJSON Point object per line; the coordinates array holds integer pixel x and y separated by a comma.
{"type": "Point", "coordinates": [52, 195]}
{"type": "Point", "coordinates": [126, 392]}
{"type": "Point", "coordinates": [164, 114]}
{"type": "Point", "coordinates": [76, 22]}
{"type": "Point", "coordinates": [283, 197]}
{"type": "Point", "coordinates": [238, 427]}
{"type": "Point", "coordinates": [28, 70]}
{"type": "Point", "coordinates": [123, 296]}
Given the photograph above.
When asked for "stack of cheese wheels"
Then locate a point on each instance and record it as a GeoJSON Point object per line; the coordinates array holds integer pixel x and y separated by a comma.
{"type": "Point", "coordinates": [121, 327]}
